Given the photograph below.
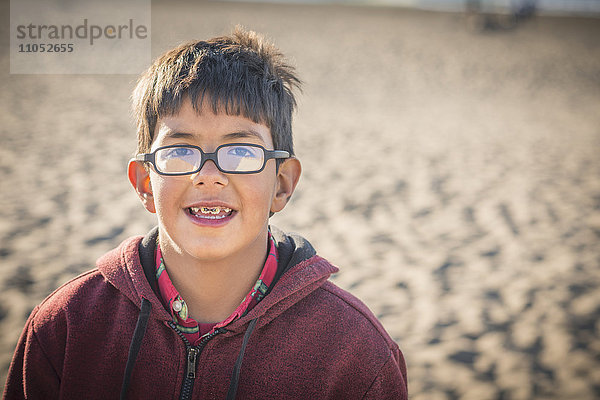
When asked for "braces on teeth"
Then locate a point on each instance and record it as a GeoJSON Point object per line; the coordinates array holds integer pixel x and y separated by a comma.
{"type": "Point", "coordinates": [210, 210]}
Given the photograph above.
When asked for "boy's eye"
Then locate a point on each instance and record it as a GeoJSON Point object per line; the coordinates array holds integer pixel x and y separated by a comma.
{"type": "Point", "coordinates": [241, 151]}
{"type": "Point", "coordinates": [178, 152]}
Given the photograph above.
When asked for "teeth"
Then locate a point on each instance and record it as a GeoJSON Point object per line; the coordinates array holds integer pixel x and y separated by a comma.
{"type": "Point", "coordinates": [210, 210]}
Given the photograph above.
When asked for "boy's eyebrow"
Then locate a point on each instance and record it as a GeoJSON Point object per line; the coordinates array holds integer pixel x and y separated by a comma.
{"type": "Point", "coordinates": [243, 134]}
{"type": "Point", "coordinates": [178, 135]}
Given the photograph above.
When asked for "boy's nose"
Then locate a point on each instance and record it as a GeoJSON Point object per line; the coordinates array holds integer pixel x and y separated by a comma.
{"type": "Point", "coordinates": [209, 174]}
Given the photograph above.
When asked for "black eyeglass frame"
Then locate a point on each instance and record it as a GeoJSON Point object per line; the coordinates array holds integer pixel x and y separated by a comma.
{"type": "Point", "coordinates": [204, 157]}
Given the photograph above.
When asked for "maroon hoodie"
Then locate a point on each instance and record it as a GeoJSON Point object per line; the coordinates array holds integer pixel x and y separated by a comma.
{"type": "Point", "coordinates": [106, 334]}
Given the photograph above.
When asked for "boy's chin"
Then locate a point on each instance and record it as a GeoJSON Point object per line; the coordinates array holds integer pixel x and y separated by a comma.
{"type": "Point", "coordinates": [209, 245]}
{"type": "Point", "coordinates": [211, 249]}
{"type": "Point", "coordinates": [206, 249]}
{"type": "Point", "coordinates": [210, 254]}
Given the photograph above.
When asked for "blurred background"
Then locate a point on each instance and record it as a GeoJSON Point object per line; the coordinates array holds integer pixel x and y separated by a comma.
{"type": "Point", "coordinates": [451, 170]}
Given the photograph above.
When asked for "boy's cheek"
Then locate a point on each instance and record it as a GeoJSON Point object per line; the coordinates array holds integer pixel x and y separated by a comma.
{"type": "Point", "coordinates": [162, 192]}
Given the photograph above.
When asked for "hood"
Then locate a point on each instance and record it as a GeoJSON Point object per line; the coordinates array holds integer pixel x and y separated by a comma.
{"type": "Point", "coordinates": [300, 271]}
{"type": "Point", "coordinates": [130, 269]}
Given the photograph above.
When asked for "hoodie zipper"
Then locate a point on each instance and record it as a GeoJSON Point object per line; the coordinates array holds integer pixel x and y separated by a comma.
{"type": "Point", "coordinates": [192, 353]}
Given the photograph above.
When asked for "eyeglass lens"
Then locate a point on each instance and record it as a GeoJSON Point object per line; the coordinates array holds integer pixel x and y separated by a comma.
{"type": "Point", "coordinates": [234, 158]}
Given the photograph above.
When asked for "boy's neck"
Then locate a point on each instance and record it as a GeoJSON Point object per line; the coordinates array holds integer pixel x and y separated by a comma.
{"type": "Point", "coordinates": [213, 290]}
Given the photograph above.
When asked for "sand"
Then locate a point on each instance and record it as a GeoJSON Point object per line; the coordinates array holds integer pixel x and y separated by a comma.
{"type": "Point", "coordinates": [452, 174]}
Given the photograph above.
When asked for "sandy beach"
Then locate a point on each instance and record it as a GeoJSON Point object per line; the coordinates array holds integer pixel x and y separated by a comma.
{"type": "Point", "coordinates": [451, 172]}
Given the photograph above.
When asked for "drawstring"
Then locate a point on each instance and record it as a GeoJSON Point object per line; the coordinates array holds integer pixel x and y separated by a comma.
{"type": "Point", "coordinates": [138, 336]}
{"type": "Point", "coordinates": [136, 343]}
{"type": "Point", "coordinates": [233, 385]}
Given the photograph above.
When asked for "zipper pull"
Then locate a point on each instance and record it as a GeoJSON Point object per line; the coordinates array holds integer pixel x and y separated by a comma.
{"type": "Point", "coordinates": [191, 363]}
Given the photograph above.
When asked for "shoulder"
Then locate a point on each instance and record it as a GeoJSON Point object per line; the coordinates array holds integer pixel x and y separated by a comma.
{"type": "Point", "coordinates": [74, 297]}
{"type": "Point", "coordinates": [342, 332]}
{"type": "Point", "coordinates": [317, 303]}
{"type": "Point", "coordinates": [353, 315]}
{"type": "Point", "coordinates": [372, 346]}
{"type": "Point", "coordinates": [69, 311]}
{"type": "Point", "coordinates": [355, 308]}
{"type": "Point", "coordinates": [94, 294]}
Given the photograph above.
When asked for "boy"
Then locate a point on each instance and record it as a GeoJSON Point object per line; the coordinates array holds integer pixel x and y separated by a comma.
{"type": "Point", "coordinates": [226, 306]}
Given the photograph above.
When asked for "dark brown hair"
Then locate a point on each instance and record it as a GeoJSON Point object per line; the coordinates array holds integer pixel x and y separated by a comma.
{"type": "Point", "coordinates": [241, 74]}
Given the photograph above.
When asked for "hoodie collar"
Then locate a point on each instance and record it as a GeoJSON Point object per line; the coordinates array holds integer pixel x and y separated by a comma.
{"type": "Point", "coordinates": [130, 269]}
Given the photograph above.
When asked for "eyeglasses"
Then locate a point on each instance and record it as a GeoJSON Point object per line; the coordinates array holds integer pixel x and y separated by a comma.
{"type": "Point", "coordinates": [237, 158]}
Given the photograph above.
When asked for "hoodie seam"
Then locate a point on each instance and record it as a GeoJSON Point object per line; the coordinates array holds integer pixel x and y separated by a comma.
{"type": "Point", "coordinates": [34, 334]}
{"type": "Point", "coordinates": [129, 270]}
{"type": "Point", "coordinates": [389, 345]}
{"type": "Point", "coordinates": [93, 271]}
{"type": "Point", "coordinates": [390, 356]}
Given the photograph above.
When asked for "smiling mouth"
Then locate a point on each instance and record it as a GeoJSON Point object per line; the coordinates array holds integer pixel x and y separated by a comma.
{"type": "Point", "coordinates": [210, 212]}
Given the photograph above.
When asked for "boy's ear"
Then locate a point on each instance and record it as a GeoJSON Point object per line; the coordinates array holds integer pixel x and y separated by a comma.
{"type": "Point", "coordinates": [287, 179]}
{"type": "Point", "coordinates": [139, 177]}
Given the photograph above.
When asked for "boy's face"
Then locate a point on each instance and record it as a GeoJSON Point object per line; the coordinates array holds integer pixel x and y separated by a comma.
{"type": "Point", "coordinates": [179, 200]}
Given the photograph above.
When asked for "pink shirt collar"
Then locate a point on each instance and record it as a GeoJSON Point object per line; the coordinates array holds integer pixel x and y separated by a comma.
{"type": "Point", "coordinates": [175, 304]}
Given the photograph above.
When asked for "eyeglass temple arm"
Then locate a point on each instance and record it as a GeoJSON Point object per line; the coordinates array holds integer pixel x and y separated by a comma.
{"type": "Point", "coordinates": [144, 157]}
{"type": "Point", "coordinates": [276, 154]}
